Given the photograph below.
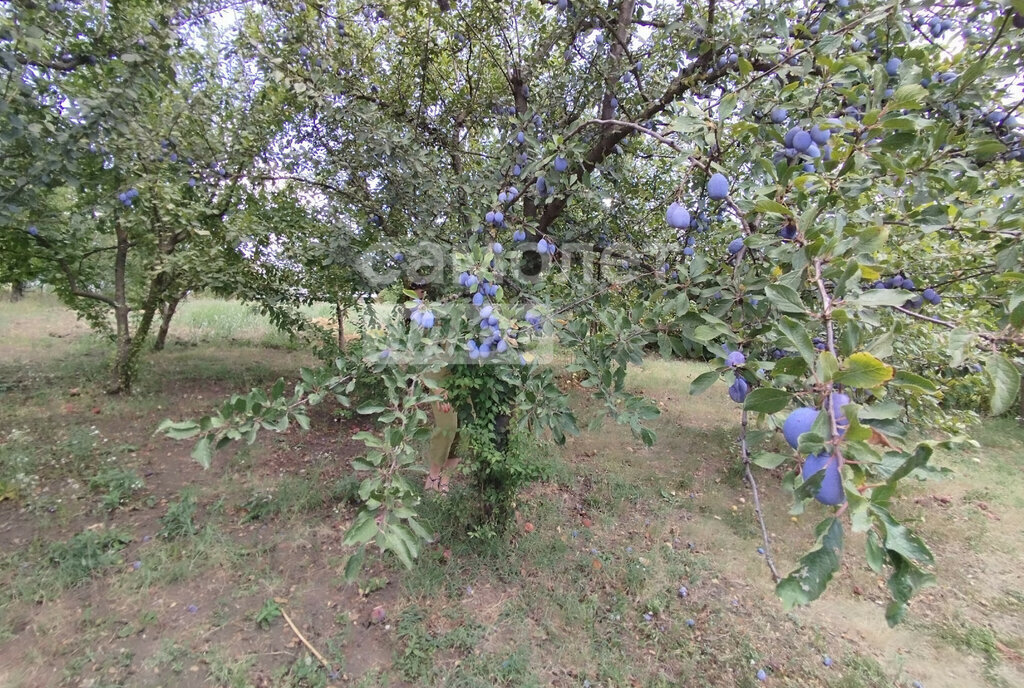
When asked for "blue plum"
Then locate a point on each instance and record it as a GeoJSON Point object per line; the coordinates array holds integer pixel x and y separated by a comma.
{"type": "Point", "coordinates": [831, 491]}
{"type": "Point", "coordinates": [718, 187]}
{"type": "Point", "coordinates": [677, 216]}
{"type": "Point", "coordinates": [797, 423]}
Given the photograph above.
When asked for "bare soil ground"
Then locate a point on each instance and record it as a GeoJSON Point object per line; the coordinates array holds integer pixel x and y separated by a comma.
{"type": "Point", "coordinates": [613, 535]}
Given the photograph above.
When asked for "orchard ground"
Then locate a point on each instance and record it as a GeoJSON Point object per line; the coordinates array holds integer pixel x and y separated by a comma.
{"type": "Point", "coordinates": [181, 580]}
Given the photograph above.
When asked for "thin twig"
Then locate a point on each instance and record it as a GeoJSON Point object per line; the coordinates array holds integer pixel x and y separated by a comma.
{"type": "Point", "coordinates": [306, 642]}
{"type": "Point", "coordinates": [989, 336]}
{"type": "Point", "coordinates": [757, 499]}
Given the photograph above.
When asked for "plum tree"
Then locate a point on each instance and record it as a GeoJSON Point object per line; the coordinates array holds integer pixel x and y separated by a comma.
{"type": "Point", "coordinates": [420, 117]}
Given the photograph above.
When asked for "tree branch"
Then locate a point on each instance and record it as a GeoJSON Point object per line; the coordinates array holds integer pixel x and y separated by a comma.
{"type": "Point", "coordinates": [757, 498]}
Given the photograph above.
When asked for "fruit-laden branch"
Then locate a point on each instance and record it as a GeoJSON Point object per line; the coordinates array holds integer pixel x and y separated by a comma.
{"type": "Point", "coordinates": [615, 133]}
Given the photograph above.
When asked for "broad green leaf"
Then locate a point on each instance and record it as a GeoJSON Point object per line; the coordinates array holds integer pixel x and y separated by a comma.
{"type": "Point", "coordinates": [766, 205]}
{"type": "Point", "coordinates": [874, 551]}
{"type": "Point", "coordinates": [906, 579]}
{"type": "Point", "coordinates": [179, 431]}
{"type": "Point", "coordinates": [828, 366]}
{"type": "Point", "coordinates": [959, 340]}
{"type": "Point", "coordinates": [202, 452]}
{"type": "Point", "coordinates": [815, 569]}
{"type": "Point", "coordinates": [363, 529]}
{"type": "Point", "coordinates": [784, 298]}
{"type": "Point", "coordinates": [1005, 379]}
{"type": "Point", "coordinates": [767, 400]}
{"type": "Point", "coordinates": [864, 371]}
{"type": "Point", "coordinates": [769, 460]}
{"type": "Point", "coordinates": [874, 298]}
{"type": "Point", "coordinates": [898, 538]}
{"type": "Point", "coordinates": [797, 334]}
{"type": "Point", "coordinates": [703, 381]}
{"type": "Point", "coordinates": [354, 564]}
{"type": "Point", "coordinates": [914, 382]}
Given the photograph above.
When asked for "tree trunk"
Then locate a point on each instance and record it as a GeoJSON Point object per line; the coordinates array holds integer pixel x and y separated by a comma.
{"type": "Point", "coordinates": [167, 311]}
{"type": "Point", "coordinates": [339, 312]}
{"type": "Point", "coordinates": [121, 377]}
{"type": "Point", "coordinates": [128, 346]}
{"type": "Point", "coordinates": [17, 291]}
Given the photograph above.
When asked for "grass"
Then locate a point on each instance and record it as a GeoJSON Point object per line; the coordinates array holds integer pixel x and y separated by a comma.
{"type": "Point", "coordinates": [123, 563]}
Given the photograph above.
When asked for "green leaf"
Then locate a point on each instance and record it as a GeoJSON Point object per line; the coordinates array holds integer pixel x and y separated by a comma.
{"type": "Point", "coordinates": [875, 553]}
{"type": "Point", "coordinates": [959, 340]}
{"type": "Point", "coordinates": [767, 400]}
{"type": "Point", "coordinates": [797, 334]}
{"type": "Point", "coordinates": [806, 583]}
{"type": "Point", "coordinates": [362, 531]}
{"type": "Point", "coordinates": [368, 409]}
{"type": "Point", "coordinates": [908, 97]}
{"type": "Point", "coordinates": [906, 579]}
{"type": "Point", "coordinates": [766, 205]}
{"type": "Point", "coordinates": [354, 564]}
{"type": "Point", "coordinates": [864, 371]}
{"type": "Point", "coordinates": [922, 454]}
{"type": "Point", "coordinates": [203, 452]}
{"type": "Point", "coordinates": [882, 297]}
{"type": "Point", "coordinates": [784, 298]}
{"type": "Point", "coordinates": [769, 460]}
{"type": "Point", "coordinates": [901, 540]}
{"type": "Point", "coordinates": [1005, 380]}
{"type": "Point", "coordinates": [179, 431]}
{"type": "Point", "coordinates": [703, 381]}
{"type": "Point", "coordinates": [828, 366]}
{"type": "Point", "coordinates": [914, 382]}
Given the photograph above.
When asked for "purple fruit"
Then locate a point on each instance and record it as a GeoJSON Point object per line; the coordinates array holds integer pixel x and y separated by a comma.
{"type": "Point", "coordinates": [779, 115]}
{"type": "Point", "coordinates": [831, 490]}
{"type": "Point", "coordinates": [797, 423]}
{"type": "Point", "coordinates": [735, 246]}
{"type": "Point", "coordinates": [735, 359]}
{"type": "Point", "coordinates": [820, 136]}
{"type": "Point", "coordinates": [677, 216]}
{"type": "Point", "coordinates": [738, 390]}
{"type": "Point", "coordinates": [718, 187]}
{"type": "Point", "coordinates": [839, 400]}
{"type": "Point", "coordinates": [802, 141]}
{"type": "Point", "coordinates": [561, 164]}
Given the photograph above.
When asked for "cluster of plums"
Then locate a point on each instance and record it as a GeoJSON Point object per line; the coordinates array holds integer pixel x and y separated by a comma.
{"type": "Point", "coordinates": [801, 420]}
{"type": "Point", "coordinates": [739, 388]}
{"type": "Point", "coordinates": [126, 197]}
{"type": "Point", "coordinates": [900, 282]}
{"type": "Point", "coordinates": [806, 144]}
